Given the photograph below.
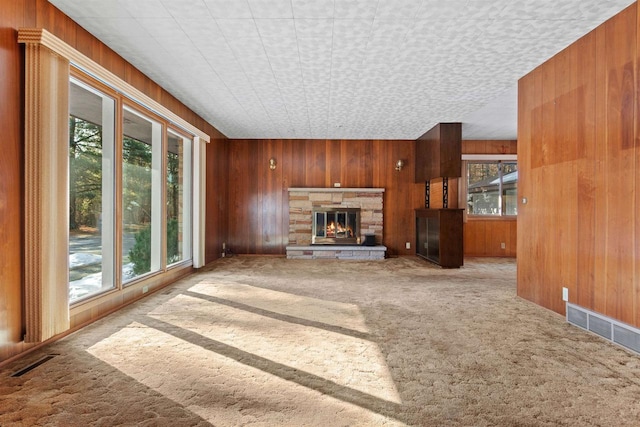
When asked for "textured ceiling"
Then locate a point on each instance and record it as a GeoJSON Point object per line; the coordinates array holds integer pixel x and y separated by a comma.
{"type": "Point", "coordinates": [342, 69]}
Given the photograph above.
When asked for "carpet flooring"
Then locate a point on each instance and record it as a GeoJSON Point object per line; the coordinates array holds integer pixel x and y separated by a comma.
{"type": "Point", "coordinates": [266, 341]}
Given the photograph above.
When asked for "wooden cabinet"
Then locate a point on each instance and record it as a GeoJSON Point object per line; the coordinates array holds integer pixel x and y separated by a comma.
{"type": "Point", "coordinates": [439, 236]}
{"type": "Point", "coordinates": [439, 153]}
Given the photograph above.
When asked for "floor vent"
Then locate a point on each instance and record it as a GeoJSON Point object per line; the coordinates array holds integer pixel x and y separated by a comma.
{"type": "Point", "coordinates": [608, 328]}
{"type": "Point", "coordinates": [34, 365]}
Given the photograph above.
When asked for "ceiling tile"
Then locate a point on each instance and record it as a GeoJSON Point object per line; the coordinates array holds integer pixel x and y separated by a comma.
{"type": "Point", "coordinates": [284, 29]}
{"type": "Point", "coordinates": [397, 9]}
{"type": "Point", "coordinates": [238, 28]}
{"type": "Point", "coordinates": [145, 8]}
{"type": "Point", "coordinates": [355, 9]}
{"type": "Point", "coordinates": [261, 9]}
{"type": "Point", "coordinates": [313, 9]}
{"type": "Point", "coordinates": [186, 8]}
{"type": "Point", "coordinates": [228, 8]}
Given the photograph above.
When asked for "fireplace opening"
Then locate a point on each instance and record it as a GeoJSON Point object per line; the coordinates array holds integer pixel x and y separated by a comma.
{"type": "Point", "coordinates": [333, 226]}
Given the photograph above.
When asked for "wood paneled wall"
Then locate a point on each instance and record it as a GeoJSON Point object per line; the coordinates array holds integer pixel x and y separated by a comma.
{"type": "Point", "coordinates": [484, 237]}
{"type": "Point", "coordinates": [258, 216]}
{"type": "Point", "coordinates": [15, 14]}
{"type": "Point", "coordinates": [490, 146]}
{"type": "Point", "coordinates": [217, 196]}
{"type": "Point", "coordinates": [258, 199]}
{"type": "Point", "coordinates": [579, 164]}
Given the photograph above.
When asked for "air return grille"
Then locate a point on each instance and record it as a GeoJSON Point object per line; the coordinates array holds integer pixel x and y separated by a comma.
{"type": "Point", "coordinates": [608, 328]}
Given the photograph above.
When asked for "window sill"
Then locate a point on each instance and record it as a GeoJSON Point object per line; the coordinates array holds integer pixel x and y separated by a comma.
{"type": "Point", "coordinates": [491, 218]}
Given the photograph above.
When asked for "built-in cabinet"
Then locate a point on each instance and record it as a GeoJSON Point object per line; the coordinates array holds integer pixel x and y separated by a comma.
{"type": "Point", "coordinates": [439, 236]}
{"type": "Point", "coordinates": [439, 153]}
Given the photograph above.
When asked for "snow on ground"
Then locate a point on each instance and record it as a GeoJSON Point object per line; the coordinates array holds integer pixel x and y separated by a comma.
{"type": "Point", "coordinates": [80, 259]}
{"type": "Point", "coordinates": [91, 283]}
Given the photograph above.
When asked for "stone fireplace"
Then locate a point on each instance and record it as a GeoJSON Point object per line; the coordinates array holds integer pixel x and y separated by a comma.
{"type": "Point", "coordinates": [334, 222]}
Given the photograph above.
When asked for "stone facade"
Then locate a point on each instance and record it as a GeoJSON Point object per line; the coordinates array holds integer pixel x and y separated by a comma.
{"type": "Point", "coordinates": [303, 200]}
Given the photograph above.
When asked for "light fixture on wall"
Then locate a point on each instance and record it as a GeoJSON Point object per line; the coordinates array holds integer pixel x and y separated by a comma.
{"type": "Point", "coordinates": [272, 163]}
{"type": "Point", "coordinates": [399, 164]}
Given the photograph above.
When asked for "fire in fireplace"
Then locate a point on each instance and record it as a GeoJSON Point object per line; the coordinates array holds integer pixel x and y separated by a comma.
{"type": "Point", "coordinates": [336, 226]}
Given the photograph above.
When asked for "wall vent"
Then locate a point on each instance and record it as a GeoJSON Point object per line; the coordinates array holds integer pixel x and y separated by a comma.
{"type": "Point", "coordinates": [610, 329]}
{"type": "Point", "coordinates": [34, 365]}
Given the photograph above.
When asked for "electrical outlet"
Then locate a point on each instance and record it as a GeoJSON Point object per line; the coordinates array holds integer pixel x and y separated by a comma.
{"type": "Point", "coordinates": [336, 184]}
{"type": "Point", "coordinates": [407, 245]}
{"type": "Point", "coordinates": [145, 289]}
{"type": "Point", "coordinates": [503, 245]}
{"type": "Point", "coordinates": [565, 294]}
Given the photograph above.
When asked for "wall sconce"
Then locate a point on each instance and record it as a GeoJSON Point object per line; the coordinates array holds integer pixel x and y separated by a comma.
{"type": "Point", "coordinates": [272, 163]}
{"type": "Point", "coordinates": [399, 165]}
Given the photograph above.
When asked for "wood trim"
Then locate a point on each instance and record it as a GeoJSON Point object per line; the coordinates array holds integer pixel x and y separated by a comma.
{"type": "Point", "coordinates": [77, 59]}
{"type": "Point", "coordinates": [46, 195]}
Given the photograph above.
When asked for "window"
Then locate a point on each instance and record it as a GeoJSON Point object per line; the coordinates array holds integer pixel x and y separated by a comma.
{"type": "Point", "coordinates": [492, 188]}
{"type": "Point", "coordinates": [91, 192]}
{"type": "Point", "coordinates": [141, 195]}
{"type": "Point", "coordinates": [76, 172]}
{"type": "Point", "coordinates": [154, 182]}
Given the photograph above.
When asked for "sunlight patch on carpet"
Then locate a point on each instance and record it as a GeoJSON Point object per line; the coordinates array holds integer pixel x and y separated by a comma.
{"type": "Point", "coordinates": [314, 309]}
{"type": "Point", "coordinates": [346, 360]}
{"type": "Point", "coordinates": [220, 389]}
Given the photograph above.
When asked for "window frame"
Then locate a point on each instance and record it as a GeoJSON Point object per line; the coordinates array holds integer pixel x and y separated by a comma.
{"type": "Point", "coordinates": [464, 184]}
{"type": "Point", "coordinates": [188, 195]}
{"type": "Point", "coordinates": [123, 102]}
{"type": "Point", "coordinates": [49, 64]}
{"type": "Point", "coordinates": [112, 263]}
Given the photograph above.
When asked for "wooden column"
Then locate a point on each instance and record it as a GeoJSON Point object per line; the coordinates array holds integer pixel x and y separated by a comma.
{"type": "Point", "coordinates": [46, 193]}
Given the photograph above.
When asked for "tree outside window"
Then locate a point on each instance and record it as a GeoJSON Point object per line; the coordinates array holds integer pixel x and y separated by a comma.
{"type": "Point", "coordinates": [492, 188]}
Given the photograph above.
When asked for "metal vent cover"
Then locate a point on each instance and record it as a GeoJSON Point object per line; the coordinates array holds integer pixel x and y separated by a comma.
{"type": "Point", "coordinates": [610, 329]}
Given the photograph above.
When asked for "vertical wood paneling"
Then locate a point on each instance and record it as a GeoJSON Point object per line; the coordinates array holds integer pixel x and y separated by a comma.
{"type": "Point", "coordinates": [585, 112]}
{"type": "Point", "coordinates": [11, 182]}
{"type": "Point", "coordinates": [636, 287]}
{"type": "Point", "coordinates": [577, 136]}
{"type": "Point", "coordinates": [217, 196]}
{"type": "Point", "coordinates": [529, 124]}
{"type": "Point", "coordinates": [484, 237]}
{"type": "Point", "coordinates": [272, 203]}
{"type": "Point", "coordinates": [620, 36]}
{"type": "Point", "coordinates": [489, 147]}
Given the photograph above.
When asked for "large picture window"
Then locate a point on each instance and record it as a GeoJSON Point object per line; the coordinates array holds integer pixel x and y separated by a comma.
{"type": "Point", "coordinates": [87, 159]}
{"type": "Point", "coordinates": [492, 188]}
{"type": "Point", "coordinates": [110, 247]}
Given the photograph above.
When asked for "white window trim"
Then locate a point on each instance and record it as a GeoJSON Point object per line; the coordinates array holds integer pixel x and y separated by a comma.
{"type": "Point", "coordinates": [463, 183]}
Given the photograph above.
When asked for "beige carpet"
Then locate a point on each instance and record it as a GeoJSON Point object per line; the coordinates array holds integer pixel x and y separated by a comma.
{"type": "Point", "coordinates": [265, 341]}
